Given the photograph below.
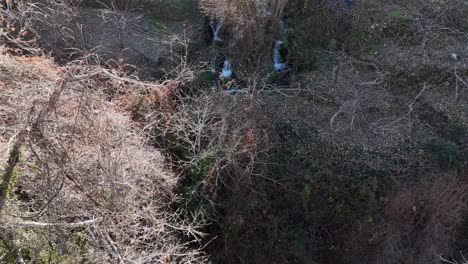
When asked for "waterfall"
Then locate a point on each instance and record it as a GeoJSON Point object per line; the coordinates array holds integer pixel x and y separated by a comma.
{"type": "Point", "coordinates": [216, 27]}
{"type": "Point", "coordinates": [226, 72]}
{"type": "Point", "coordinates": [277, 64]}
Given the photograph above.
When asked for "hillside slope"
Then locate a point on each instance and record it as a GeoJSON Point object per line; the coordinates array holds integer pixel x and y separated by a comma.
{"type": "Point", "coordinates": [84, 185]}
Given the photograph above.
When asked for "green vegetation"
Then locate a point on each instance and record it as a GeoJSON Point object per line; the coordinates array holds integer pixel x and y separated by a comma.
{"type": "Point", "coordinates": [206, 79]}
{"type": "Point", "coordinates": [399, 16]}
{"type": "Point", "coordinates": [36, 246]}
{"type": "Point", "coordinates": [357, 36]}
{"type": "Point", "coordinates": [446, 153]}
{"type": "Point", "coordinates": [399, 24]}
{"type": "Point", "coordinates": [374, 49]}
{"type": "Point", "coordinates": [160, 25]}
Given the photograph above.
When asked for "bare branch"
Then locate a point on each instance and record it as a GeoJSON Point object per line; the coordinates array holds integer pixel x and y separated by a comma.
{"type": "Point", "coordinates": [61, 225]}
{"type": "Point", "coordinates": [13, 160]}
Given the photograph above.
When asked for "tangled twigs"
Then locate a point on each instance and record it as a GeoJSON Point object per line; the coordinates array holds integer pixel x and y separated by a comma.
{"type": "Point", "coordinates": [338, 72]}
{"type": "Point", "coordinates": [464, 259]}
{"type": "Point", "coordinates": [19, 139]}
{"type": "Point", "coordinates": [408, 114]}
{"type": "Point", "coordinates": [33, 129]}
{"type": "Point", "coordinates": [13, 160]}
{"type": "Point", "coordinates": [458, 91]}
{"type": "Point", "coordinates": [349, 107]}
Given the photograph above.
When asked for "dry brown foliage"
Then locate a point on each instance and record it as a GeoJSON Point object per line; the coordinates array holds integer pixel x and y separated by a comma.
{"type": "Point", "coordinates": [85, 171]}
{"type": "Point", "coordinates": [422, 222]}
{"type": "Point", "coordinates": [219, 138]}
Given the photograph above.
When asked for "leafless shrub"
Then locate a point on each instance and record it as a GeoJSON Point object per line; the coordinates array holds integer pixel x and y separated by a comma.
{"type": "Point", "coordinates": [463, 260]}
{"type": "Point", "coordinates": [102, 36]}
{"type": "Point", "coordinates": [219, 140]}
{"type": "Point", "coordinates": [16, 27]}
{"type": "Point", "coordinates": [243, 12]}
{"type": "Point", "coordinates": [87, 173]}
{"type": "Point", "coordinates": [421, 222]}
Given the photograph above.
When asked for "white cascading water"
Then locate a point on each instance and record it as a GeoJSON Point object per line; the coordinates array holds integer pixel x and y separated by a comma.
{"type": "Point", "coordinates": [216, 27]}
{"type": "Point", "coordinates": [278, 65]}
{"type": "Point", "coordinates": [226, 72]}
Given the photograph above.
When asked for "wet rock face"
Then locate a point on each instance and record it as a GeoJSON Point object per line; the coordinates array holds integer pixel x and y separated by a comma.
{"type": "Point", "coordinates": [146, 42]}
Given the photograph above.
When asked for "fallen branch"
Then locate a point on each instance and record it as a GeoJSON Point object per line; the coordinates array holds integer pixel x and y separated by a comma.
{"type": "Point", "coordinates": [407, 114]}
{"type": "Point", "coordinates": [62, 225]}
{"type": "Point", "coordinates": [111, 76]}
{"type": "Point", "coordinates": [115, 250]}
